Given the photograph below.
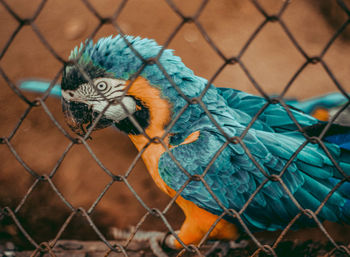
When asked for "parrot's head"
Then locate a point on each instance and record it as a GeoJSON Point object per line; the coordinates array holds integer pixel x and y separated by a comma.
{"type": "Point", "coordinates": [102, 83]}
{"type": "Point", "coordinates": [94, 92]}
{"type": "Point", "coordinates": [110, 81]}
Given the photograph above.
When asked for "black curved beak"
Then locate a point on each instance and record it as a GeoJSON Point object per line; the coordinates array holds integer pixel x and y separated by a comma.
{"type": "Point", "coordinates": [80, 117]}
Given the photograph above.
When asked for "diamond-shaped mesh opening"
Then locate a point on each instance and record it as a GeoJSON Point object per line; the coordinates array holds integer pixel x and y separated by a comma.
{"type": "Point", "coordinates": [135, 14]}
{"type": "Point", "coordinates": [311, 34]}
{"type": "Point", "coordinates": [283, 62]}
{"type": "Point", "coordinates": [105, 190]}
{"type": "Point", "coordinates": [310, 74]}
{"type": "Point", "coordinates": [42, 67]}
{"type": "Point", "coordinates": [230, 30]}
{"type": "Point", "coordinates": [72, 30]}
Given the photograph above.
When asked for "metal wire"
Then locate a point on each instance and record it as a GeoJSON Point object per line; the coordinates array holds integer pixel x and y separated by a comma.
{"type": "Point", "coordinates": [47, 247]}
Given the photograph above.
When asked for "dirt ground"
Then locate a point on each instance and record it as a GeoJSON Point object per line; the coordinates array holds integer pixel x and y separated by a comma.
{"type": "Point", "coordinates": [271, 58]}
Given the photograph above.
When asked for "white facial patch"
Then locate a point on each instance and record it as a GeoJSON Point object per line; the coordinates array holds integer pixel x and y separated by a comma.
{"type": "Point", "coordinates": [98, 97]}
{"type": "Point", "coordinates": [116, 112]}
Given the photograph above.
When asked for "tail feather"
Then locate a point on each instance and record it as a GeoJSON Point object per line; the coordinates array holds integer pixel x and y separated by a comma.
{"type": "Point", "coordinates": [342, 140]}
{"type": "Point", "coordinates": [327, 101]}
{"type": "Point", "coordinates": [40, 87]}
{"type": "Point", "coordinates": [336, 134]}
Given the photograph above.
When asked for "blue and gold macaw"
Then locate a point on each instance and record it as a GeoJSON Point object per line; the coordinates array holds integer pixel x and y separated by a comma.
{"type": "Point", "coordinates": [194, 140]}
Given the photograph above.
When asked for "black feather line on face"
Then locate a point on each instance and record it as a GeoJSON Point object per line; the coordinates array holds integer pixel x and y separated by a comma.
{"type": "Point", "coordinates": [73, 78]}
{"type": "Point", "coordinates": [141, 116]}
{"type": "Point", "coordinates": [80, 118]}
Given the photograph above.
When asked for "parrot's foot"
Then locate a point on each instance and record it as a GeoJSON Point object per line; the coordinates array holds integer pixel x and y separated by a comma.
{"type": "Point", "coordinates": [155, 239]}
{"type": "Point", "coordinates": [221, 248]}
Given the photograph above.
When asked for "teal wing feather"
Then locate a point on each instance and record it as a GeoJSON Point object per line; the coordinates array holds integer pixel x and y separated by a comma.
{"type": "Point", "coordinates": [233, 177]}
{"type": "Point", "coordinates": [275, 115]}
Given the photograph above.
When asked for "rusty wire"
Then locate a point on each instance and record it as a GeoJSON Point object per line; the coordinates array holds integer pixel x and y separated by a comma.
{"type": "Point", "coordinates": [227, 60]}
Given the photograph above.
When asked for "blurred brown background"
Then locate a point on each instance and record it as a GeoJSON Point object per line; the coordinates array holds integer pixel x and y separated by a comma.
{"type": "Point", "coordinates": [271, 58]}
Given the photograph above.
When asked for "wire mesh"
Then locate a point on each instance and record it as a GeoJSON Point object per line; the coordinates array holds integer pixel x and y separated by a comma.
{"type": "Point", "coordinates": [46, 247]}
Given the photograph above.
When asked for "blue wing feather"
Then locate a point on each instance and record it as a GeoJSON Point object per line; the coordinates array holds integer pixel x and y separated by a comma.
{"type": "Point", "coordinates": [233, 177]}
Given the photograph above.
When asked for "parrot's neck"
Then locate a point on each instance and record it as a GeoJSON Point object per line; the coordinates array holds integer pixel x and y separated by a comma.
{"type": "Point", "coordinates": [159, 116]}
{"type": "Point", "coordinates": [158, 107]}
{"type": "Point", "coordinates": [150, 157]}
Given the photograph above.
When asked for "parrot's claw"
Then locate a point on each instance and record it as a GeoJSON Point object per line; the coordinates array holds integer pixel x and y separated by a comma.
{"type": "Point", "coordinates": [169, 241]}
{"type": "Point", "coordinates": [222, 248]}
{"type": "Point", "coordinates": [155, 239]}
{"type": "Point", "coordinates": [240, 244]}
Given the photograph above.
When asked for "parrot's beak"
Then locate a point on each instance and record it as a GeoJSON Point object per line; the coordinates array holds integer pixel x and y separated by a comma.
{"type": "Point", "coordinates": [80, 117]}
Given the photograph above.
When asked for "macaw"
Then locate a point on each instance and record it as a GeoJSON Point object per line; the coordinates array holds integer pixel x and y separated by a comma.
{"type": "Point", "coordinates": [193, 139]}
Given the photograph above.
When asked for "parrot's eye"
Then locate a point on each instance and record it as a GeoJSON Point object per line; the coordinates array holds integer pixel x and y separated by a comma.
{"type": "Point", "coordinates": [101, 85]}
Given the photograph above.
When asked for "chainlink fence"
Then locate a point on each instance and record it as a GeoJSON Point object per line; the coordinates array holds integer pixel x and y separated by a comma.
{"type": "Point", "coordinates": [123, 248]}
